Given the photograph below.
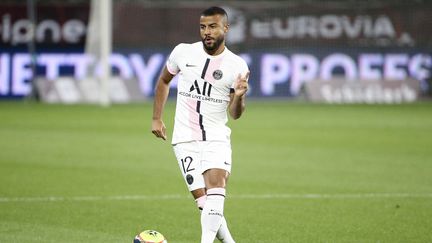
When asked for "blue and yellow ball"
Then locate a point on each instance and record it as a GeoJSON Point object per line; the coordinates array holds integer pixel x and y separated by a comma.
{"type": "Point", "coordinates": [150, 236]}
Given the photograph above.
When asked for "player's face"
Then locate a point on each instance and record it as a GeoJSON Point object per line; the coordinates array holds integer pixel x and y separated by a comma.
{"type": "Point", "coordinates": [213, 30]}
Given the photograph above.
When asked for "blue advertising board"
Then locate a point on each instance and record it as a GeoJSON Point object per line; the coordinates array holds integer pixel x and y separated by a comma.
{"type": "Point", "coordinates": [273, 73]}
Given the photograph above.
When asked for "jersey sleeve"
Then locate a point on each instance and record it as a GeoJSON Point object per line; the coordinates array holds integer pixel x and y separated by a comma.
{"type": "Point", "coordinates": [172, 62]}
{"type": "Point", "coordinates": [242, 70]}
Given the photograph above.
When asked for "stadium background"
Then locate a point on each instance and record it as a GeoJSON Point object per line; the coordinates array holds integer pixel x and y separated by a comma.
{"type": "Point", "coordinates": [286, 43]}
{"type": "Point", "coordinates": [303, 172]}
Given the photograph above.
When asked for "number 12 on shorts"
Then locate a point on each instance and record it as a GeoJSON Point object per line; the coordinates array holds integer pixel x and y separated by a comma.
{"type": "Point", "coordinates": [186, 164]}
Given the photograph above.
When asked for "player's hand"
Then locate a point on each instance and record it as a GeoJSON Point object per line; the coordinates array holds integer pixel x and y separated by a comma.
{"type": "Point", "coordinates": [241, 84]}
{"type": "Point", "coordinates": [159, 129]}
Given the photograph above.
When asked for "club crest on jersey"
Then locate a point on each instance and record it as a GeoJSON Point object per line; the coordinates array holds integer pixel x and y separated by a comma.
{"type": "Point", "coordinates": [189, 179]}
{"type": "Point", "coordinates": [217, 74]}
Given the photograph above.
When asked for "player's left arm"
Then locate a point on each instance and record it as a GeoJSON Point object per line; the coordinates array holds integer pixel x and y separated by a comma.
{"type": "Point", "coordinates": [237, 98]}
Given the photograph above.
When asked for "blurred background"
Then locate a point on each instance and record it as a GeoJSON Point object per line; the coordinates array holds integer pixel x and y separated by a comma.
{"type": "Point", "coordinates": [78, 51]}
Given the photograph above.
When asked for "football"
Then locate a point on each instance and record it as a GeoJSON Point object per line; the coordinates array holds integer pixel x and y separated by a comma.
{"type": "Point", "coordinates": [150, 236]}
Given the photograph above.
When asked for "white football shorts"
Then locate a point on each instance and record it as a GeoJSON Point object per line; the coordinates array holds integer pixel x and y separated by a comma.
{"type": "Point", "coordinates": [195, 157]}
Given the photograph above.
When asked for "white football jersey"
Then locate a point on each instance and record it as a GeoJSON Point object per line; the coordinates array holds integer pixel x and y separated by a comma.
{"type": "Point", "coordinates": [203, 94]}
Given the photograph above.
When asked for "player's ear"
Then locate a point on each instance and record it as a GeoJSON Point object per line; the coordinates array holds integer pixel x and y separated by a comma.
{"type": "Point", "coordinates": [226, 28]}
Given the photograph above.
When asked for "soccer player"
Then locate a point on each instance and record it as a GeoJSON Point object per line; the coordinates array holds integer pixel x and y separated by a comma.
{"type": "Point", "coordinates": [211, 81]}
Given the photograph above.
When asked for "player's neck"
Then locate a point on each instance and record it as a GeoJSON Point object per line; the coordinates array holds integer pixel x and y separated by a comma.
{"type": "Point", "coordinates": [217, 51]}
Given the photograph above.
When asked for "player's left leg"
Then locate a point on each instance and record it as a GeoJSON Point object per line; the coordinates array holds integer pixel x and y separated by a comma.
{"type": "Point", "coordinates": [212, 217]}
{"type": "Point", "coordinates": [223, 234]}
{"type": "Point", "coordinates": [216, 167]}
{"type": "Point", "coordinates": [189, 159]}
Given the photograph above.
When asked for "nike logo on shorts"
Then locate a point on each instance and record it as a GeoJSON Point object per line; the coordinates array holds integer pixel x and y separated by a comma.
{"type": "Point", "coordinates": [227, 163]}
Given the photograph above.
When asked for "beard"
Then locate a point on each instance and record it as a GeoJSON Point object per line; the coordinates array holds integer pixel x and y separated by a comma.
{"type": "Point", "coordinates": [214, 46]}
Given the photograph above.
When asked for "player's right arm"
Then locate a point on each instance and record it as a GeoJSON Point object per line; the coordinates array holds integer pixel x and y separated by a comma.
{"type": "Point", "coordinates": [160, 98]}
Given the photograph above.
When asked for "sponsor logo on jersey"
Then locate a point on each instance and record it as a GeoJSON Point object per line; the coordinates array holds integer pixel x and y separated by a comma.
{"type": "Point", "coordinates": [205, 89]}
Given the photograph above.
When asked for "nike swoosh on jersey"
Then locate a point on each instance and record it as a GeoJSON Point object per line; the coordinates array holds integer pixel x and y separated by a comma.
{"type": "Point", "coordinates": [190, 65]}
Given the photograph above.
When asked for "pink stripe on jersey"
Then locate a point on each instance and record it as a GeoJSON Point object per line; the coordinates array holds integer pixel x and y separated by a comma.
{"type": "Point", "coordinates": [213, 65]}
{"type": "Point", "coordinates": [194, 125]}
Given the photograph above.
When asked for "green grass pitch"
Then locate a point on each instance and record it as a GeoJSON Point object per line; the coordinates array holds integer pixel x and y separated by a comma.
{"type": "Point", "coordinates": [301, 173]}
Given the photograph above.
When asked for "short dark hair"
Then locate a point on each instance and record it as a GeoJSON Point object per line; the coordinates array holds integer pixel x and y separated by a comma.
{"type": "Point", "coordinates": [215, 11]}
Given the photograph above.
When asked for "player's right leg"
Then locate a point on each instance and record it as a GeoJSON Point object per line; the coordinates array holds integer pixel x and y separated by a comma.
{"type": "Point", "coordinates": [189, 160]}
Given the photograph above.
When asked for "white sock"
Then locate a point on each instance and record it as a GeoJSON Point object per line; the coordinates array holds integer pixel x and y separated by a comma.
{"type": "Point", "coordinates": [223, 234]}
{"type": "Point", "coordinates": [212, 214]}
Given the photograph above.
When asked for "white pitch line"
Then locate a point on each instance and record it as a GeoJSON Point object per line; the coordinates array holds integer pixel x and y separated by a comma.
{"type": "Point", "coordinates": [89, 198]}
{"type": "Point", "coordinates": [244, 196]}
{"type": "Point", "coordinates": [336, 196]}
